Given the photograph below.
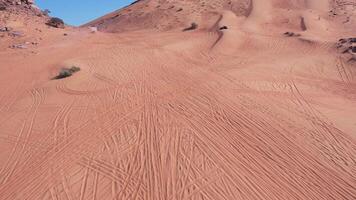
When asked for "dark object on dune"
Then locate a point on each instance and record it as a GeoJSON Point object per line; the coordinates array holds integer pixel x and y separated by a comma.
{"type": "Point", "coordinates": [347, 40]}
{"type": "Point", "coordinates": [4, 29]}
{"type": "Point", "coordinates": [66, 72]}
{"type": "Point", "coordinates": [180, 9]}
{"type": "Point", "coordinates": [2, 7]}
{"type": "Point", "coordinates": [303, 26]}
{"type": "Point", "coordinates": [347, 50]}
{"type": "Point", "coordinates": [223, 28]}
{"type": "Point", "coordinates": [193, 26]}
{"type": "Point", "coordinates": [342, 40]}
{"type": "Point", "coordinates": [352, 40]}
{"type": "Point", "coordinates": [56, 22]}
{"type": "Point", "coordinates": [353, 49]}
{"type": "Point", "coordinates": [291, 34]}
{"type": "Point", "coordinates": [18, 46]}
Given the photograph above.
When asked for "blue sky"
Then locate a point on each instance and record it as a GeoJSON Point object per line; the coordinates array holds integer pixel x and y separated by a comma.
{"type": "Point", "coordinates": [78, 12]}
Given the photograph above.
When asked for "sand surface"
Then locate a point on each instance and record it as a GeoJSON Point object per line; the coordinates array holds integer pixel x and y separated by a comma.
{"type": "Point", "coordinates": [243, 113]}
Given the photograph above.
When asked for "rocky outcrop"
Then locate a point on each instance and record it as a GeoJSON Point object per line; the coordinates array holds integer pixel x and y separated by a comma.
{"type": "Point", "coordinates": [12, 5]}
{"type": "Point", "coordinates": [18, 2]}
{"type": "Point", "coordinates": [19, 8]}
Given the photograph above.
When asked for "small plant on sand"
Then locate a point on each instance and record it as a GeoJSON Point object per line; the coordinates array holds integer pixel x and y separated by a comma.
{"type": "Point", "coordinates": [66, 72]}
{"type": "Point", "coordinates": [46, 12]}
{"type": "Point", "coordinates": [193, 26]}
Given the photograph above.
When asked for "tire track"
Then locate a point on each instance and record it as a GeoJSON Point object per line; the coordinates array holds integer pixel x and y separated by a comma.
{"type": "Point", "coordinates": [24, 134]}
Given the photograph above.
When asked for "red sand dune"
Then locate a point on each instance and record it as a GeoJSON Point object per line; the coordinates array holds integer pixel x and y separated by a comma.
{"type": "Point", "coordinates": [157, 113]}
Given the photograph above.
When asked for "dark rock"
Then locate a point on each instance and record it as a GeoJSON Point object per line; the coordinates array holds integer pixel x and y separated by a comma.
{"type": "Point", "coordinates": [291, 34]}
{"type": "Point", "coordinates": [2, 6]}
{"type": "Point", "coordinates": [353, 49]}
{"type": "Point", "coordinates": [352, 40]}
{"type": "Point", "coordinates": [342, 40]}
{"type": "Point", "coordinates": [56, 22]}
{"type": "Point", "coordinates": [223, 28]}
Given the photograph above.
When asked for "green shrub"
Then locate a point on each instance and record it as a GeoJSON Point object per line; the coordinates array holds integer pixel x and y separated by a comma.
{"type": "Point", "coordinates": [66, 72]}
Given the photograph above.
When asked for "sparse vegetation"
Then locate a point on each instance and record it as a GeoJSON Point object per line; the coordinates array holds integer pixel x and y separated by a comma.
{"type": "Point", "coordinates": [66, 72]}
{"type": "Point", "coordinates": [56, 22]}
{"type": "Point", "coordinates": [193, 26]}
{"type": "Point", "coordinates": [46, 12]}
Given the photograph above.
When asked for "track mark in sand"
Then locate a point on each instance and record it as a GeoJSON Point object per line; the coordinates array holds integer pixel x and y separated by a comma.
{"type": "Point", "coordinates": [84, 182]}
{"type": "Point", "coordinates": [60, 123]}
{"type": "Point", "coordinates": [226, 149]}
{"type": "Point", "coordinates": [113, 173]}
{"type": "Point", "coordinates": [189, 166]}
{"type": "Point", "coordinates": [68, 145]}
{"type": "Point", "coordinates": [104, 79]}
{"type": "Point", "coordinates": [345, 73]}
{"type": "Point", "coordinates": [53, 193]}
{"type": "Point", "coordinates": [23, 139]}
{"type": "Point", "coordinates": [10, 100]}
{"type": "Point", "coordinates": [65, 89]}
{"type": "Point", "coordinates": [66, 188]}
{"type": "Point", "coordinates": [95, 185]}
{"type": "Point", "coordinates": [328, 140]}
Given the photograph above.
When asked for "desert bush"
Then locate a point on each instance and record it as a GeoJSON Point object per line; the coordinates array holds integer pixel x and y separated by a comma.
{"type": "Point", "coordinates": [74, 69]}
{"type": "Point", "coordinates": [55, 22]}
{"type": "Point", "coordinates": [193, 26]}
{"type": "Point", "coordinates": [66, 72]}
{"type": "Point", "coordinates": [46, 12]}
